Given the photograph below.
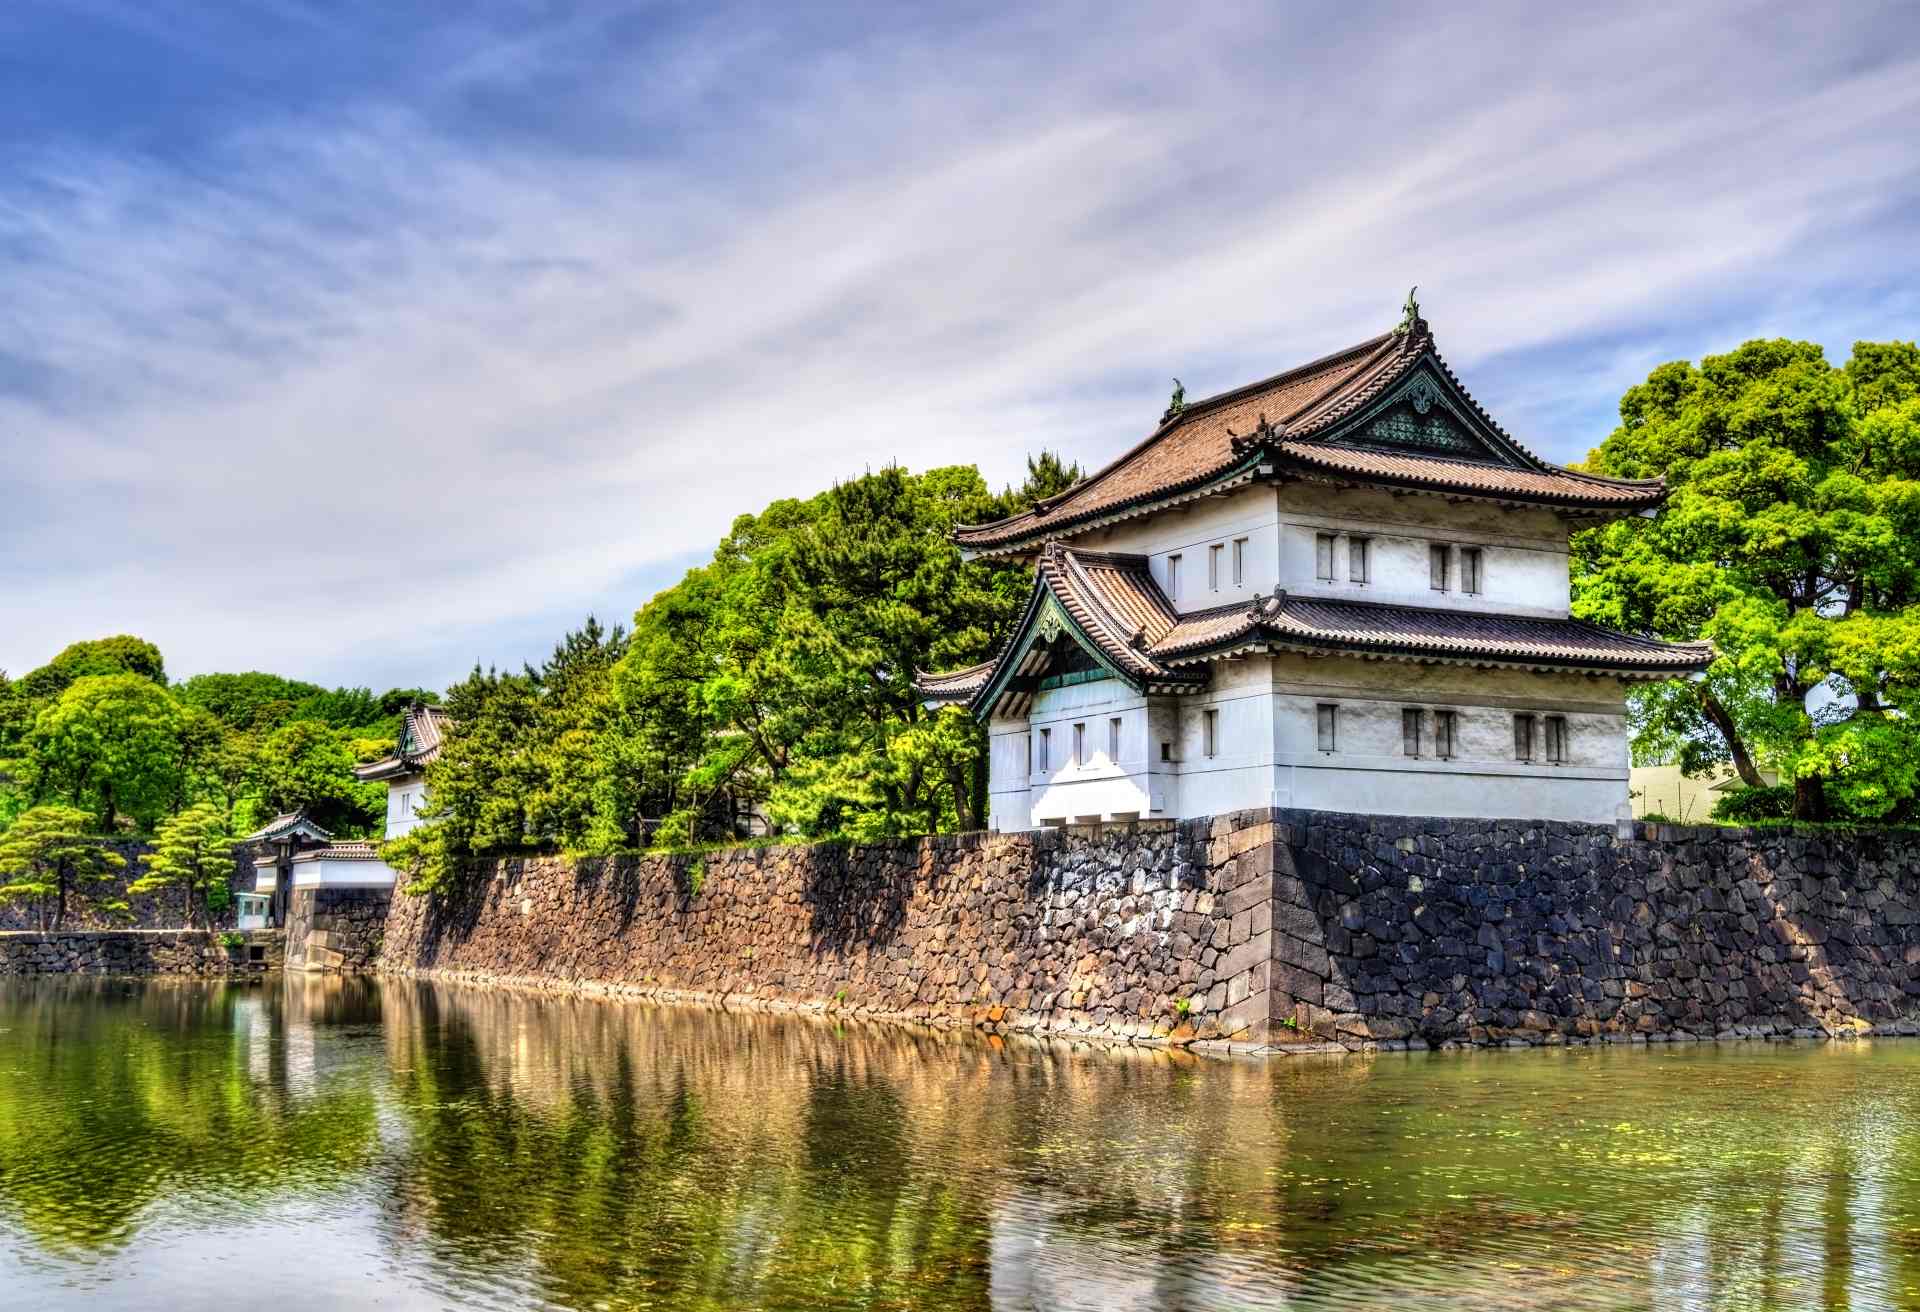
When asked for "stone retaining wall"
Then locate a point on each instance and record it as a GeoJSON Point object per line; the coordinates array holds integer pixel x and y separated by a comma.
{"type": "Point", "coordinates": [1133, 932]}
{"type": "Point", "coordinates": [1392, 929]}
{"type": "Point", "coordinates": [336, 930]}
{"type": "Point", "coordinates": [1293, 930]}
{"type": "Point", "coordinates": [137, 952]}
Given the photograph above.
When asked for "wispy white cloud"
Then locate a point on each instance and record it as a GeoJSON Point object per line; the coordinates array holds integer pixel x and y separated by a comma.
{"type": "Point", "coordinates": [361, 392]}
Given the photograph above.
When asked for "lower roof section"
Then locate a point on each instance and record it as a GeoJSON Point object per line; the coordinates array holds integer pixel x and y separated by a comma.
{"type": "Point", "coordinates": [1101, 612]}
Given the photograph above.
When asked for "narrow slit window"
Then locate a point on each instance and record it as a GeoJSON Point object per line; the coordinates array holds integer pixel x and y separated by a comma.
{"type": "Point", "coordinates": [1213, 566]}
{"type": "Point", "coordinates": [1445, 727]}
{"type": "Point", "coordinates": [1046, 743]}
{"type": "Point", "coordinates": [1323, 556]}
{"type": "Point", "coordinates": [1359, 562]}
{"type": "Point", "coordinates": [1437, 565]}
{"type": "Point", "coordinates": [1329, 727]}
{"type": "Point", "coordinates": [1032, 765]}
{"type": "Point", "coordinates": [1079, 744]}
{"type": "Point", "coordinates": [1557, 739]}
{"type": "Point", "coordinates": [1173, 577]}
{"type": "Point", "coordinates": [1239, 561]}
{"type": "Point", "coordinates": [1166, 751]}
{"type": "Point", "coordinates": [1523, 737]}
{"type": "Point", "coordinates": [1210, 728]}
{"type": "Point", "coordinates": [1410, 731]}
{"type": "Point", "coordinates": [1113, 739]}
{"type": "Point", "coordinates": [1470, 571]}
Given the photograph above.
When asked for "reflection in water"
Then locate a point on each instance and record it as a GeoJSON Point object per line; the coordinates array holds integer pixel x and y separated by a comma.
{"type": "Point", "coordinates": [328, 1143]}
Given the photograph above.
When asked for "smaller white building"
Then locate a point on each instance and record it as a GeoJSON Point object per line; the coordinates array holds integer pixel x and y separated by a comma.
{"type": "Point", "coordinates": [302, 855]}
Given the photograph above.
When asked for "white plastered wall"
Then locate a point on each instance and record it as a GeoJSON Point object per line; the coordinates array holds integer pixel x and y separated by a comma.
{"type": "Point", "coordinates": [405, 797]}
{"type": "Point", "coordinates": [1369, 771]}
{"type": "Point", "coordinates": [1249, 515]}
{"type": "Point", "coordinates": [1523, 561]}
{"type": "Point", "coordinates": [1266, 748]}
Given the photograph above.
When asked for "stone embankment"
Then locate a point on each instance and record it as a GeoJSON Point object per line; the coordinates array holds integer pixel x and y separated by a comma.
{"type": "Point", "coordinates": [1297, 931]}
{"type": "Point", "coordinates": [187, 952]}
{"type": "Point", "coordinates": [1138, 932]}
{"type": "Point", "coordinates": [1391, 929]}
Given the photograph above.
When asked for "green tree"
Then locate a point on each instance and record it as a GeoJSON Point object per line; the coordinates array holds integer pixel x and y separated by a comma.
{"type": "Point", "coordinates": [123, 654]}
{"type": "Point", "coordinates": [112, 741]}
{"type": "Point", "coordinates": [47, 855]}
{"type": "Point", "coordinates": [1792, 541]}
{"type": "Point", "coordinates": [1047, 476]}
{"type": "Point", "coordinates": [16, 722]}
{"type": "Point", "coordinates": [193, 851]}
{"type": "Point", "coordinates": [534, 759]}
{"type": "Point", "coordinates": [246, 701]}
{"type": "Point", "coordinates": [308, 765]}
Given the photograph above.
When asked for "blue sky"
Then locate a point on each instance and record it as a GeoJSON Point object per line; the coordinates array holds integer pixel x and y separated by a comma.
{"type": "Point", "coordinates": [362, 342]}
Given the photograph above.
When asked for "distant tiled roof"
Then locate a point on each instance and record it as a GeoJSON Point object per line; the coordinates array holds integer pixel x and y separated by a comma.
{"type": "Point", "coordinates": [955, 685]}
{"type": "Point", "coordinates": [285, 824]}
{"type": "Point", "coordinates": [1294, 422]}
{"type": "Point", "coordinates": [344, 851]}
{"type": "Point", "coordinates": [1117, 607]}
{"type": "Point", "coordinates": [422, 730]}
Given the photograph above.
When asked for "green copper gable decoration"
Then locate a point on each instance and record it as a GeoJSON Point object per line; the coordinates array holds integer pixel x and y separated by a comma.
{"type": "Point", "coordinates": [1045, 623]}
{"type": "Point", "coordinates": [1427, 413]}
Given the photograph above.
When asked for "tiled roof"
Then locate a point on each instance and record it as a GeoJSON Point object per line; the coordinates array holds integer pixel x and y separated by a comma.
{"type": "Point", "coordinates": [1552, 484]}
{"type": "Point", "coordinates": [422, 731]}
{"type": "Point", "coordinates": [1280, 418]}
{"type": "Point", "coordinates": [1423, 632]}
{"type": "Point", "coordinates": [1117, 606]}
{"type": "Point", "coordinates": [287, 822]}
{"type": "Point", "coordinates": [346, 851]}
{"type": "Point", "coordinates": [955, 685]}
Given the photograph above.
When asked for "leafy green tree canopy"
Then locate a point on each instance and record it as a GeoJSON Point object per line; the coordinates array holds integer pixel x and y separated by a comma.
{"type": "Point", "coordinates": [111, 741]}
{"type": "Point", "coordinates": [1792, 541]}
{"type": "Point", "coordinates": [122, 654]}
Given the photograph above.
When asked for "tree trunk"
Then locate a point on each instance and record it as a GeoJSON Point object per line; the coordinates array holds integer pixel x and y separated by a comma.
{"type": "Point", "coordinates": [1742, 760]}
{"type": "Point", "coordinates": [1809, 799]}
{"type": "Point", "coordinates": [959, 779]}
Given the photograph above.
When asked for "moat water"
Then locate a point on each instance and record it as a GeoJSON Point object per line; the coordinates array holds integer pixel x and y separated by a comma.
{"type": "Point", "coordinates": [356, 1144]}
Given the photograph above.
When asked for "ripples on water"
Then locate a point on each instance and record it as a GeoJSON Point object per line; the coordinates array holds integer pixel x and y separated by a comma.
{"type": "Point", "coordinates": [326, 1144]}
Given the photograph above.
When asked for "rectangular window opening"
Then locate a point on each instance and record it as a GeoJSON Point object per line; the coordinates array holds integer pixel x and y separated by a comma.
{"type": "Point", "coordinates": [1359, 564]}
{"type": "Point", "coordinates": [1239, 561]}
{"type": "Point", "coordinates": [1214, 553]}
{"type": "Point", "coordinates": [1079, 745]}
{"type": "Point", "coordinates": [1445, 723]}
{"type": "Point", "coordinates": [1113, 739]}
{"type": "Point", "coordinates": [1323, 556]}
{"type": "Point", "coordinates": [1438, 562]}
{"type": "Point", "coordinates": [1173, 577]}
{"type": "Point", "coordinates": [1410, 731]}
{"type": "Point", "coordinates": [1210, 724]}
{"type": "Point", "coordinates": [1166, 751]}
{"type": "Point", "coordinates": [1470, 571]}
{"type": "Point", "coordinates": [1523, 737]}
{"type": "Point", "coordinates": [1328, 718]}
{"type": "Point", "coordinates": [1557, 739]}
{"type": "Point", "coordinates": [1046, 748]}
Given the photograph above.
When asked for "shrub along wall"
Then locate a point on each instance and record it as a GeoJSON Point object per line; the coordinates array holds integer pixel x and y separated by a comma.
{"type": "Point", "coordinates": [1304, 930]}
